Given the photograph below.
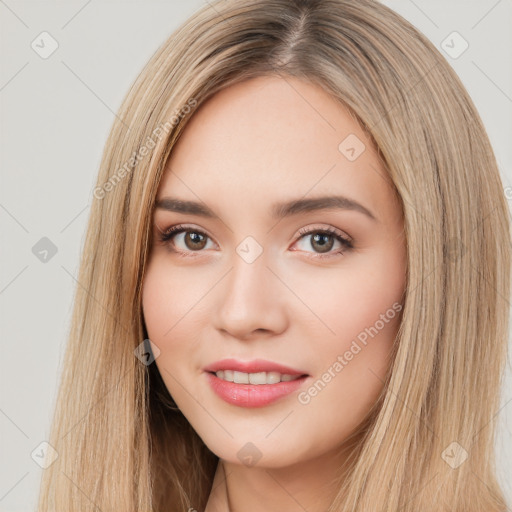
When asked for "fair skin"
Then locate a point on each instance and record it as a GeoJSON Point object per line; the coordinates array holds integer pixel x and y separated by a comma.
{"type": "Point", "coordinates": [256, 143]}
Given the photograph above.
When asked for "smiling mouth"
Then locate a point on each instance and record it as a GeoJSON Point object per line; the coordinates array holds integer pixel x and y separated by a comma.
{"type": "Point", "coordinates": [256, 389]}
{"type": "Point", "coordinates": [258, 378]}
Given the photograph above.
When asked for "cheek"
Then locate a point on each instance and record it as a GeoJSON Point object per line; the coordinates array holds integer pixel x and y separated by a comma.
{"type": "Point", "coordinates": [157, 305]}
{"type": "Point", "coordinates": [350, 369]}
{"type": "Point", "coordinates": [165, 316]}
{"type": "Point", "coordinates": [362, 309]}
{"type": "Point", "coordinates": [174, 310]}
{"type": "Point", "coordinates": [169, 299]}
{"type": "Point", "coordinates": [352, 299]}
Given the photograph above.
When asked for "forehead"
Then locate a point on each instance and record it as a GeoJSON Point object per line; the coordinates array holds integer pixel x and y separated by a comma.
{"type": "Point", "coordinates": [271, 138]}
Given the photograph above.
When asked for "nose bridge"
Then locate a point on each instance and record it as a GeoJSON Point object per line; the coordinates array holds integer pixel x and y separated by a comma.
{"type": "Point", "coordinates": [248, 279]}
{"type": "Point", "coordinates": [250, 298]}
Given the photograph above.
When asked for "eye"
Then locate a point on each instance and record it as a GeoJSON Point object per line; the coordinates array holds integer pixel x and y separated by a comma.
{"type": "Point", "coordinates": [194, 239]}
{"type": "Point", "coordinates": [324, 239]}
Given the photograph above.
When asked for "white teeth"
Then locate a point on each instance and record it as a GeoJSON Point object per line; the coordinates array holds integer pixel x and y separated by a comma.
{"type": "Point", "coordinates": [258, 378]}
{"type": "Point", "coordinates": [254, 378]}
{"type": "Point", "coordinates": [273, 377]}
{"type": "Point", "coordinates": [240, 378]}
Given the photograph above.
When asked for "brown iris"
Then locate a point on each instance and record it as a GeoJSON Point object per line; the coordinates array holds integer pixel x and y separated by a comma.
{"type": "Point", "coordinates": [323, 247]}
{"type": "Point", "coordinates": [194, 241]}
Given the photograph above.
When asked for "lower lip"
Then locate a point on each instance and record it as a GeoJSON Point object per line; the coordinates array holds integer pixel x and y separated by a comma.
{"type": "Point", "coordinates": [252, 395]}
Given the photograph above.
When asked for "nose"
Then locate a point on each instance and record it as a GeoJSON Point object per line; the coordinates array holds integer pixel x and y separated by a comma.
{"type": "Point", "coordinates": [251, 301]}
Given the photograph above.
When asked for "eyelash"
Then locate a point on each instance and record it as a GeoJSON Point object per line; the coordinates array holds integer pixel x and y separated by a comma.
{"type": "Point", "coordinates": [166, 236]}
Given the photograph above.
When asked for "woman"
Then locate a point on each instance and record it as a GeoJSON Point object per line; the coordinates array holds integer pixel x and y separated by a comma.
{"type": "Point", "coordinates": [295, 278]}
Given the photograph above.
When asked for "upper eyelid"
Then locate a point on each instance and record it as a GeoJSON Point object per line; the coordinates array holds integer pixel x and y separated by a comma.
{"type": "Point", "coordinates": [314, 227]}
{"type": "Point", "coordinates": [183, 228]}
{"type": "Point", "coordinates": [330, 229]}
{"type": "Point", "coordinates": [306, 231]}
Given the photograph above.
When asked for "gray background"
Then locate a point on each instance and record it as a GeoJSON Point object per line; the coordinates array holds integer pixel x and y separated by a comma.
{"type": "Point", "coordinates": [55, 117]}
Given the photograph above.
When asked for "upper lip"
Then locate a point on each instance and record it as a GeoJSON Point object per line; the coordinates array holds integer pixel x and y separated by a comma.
{"type": "Point", "coordinates": [254, 366]}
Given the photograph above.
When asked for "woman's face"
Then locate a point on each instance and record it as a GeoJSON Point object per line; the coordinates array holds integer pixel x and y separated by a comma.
{"type": "Point", "coordinates": [313, 284]}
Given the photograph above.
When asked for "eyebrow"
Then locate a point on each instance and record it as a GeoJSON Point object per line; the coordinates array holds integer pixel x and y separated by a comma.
{"type": "Point", "coordinates": [279, 210]}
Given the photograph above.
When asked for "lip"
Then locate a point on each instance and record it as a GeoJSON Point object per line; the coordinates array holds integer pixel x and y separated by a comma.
{"type": "Point", "coordinates": [252, 395]}
{"type": "Point", "coordinates": [254, 366]}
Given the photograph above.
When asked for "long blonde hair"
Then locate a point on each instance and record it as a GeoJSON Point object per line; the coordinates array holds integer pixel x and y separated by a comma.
{"type": "Point", "coordinates": [429, 443]}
